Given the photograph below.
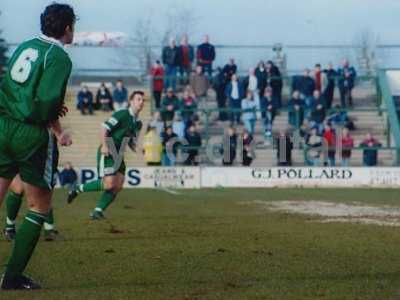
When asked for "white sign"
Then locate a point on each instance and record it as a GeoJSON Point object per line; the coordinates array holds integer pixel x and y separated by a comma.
{"type": "Point", "coordinates": [300, 177]}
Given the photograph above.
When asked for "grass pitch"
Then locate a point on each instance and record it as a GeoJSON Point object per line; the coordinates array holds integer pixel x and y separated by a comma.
{"type": "Point", "coordinates": [215, 244]}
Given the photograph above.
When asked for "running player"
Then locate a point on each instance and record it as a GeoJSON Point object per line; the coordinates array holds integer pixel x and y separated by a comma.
{"type": "Point", "coordinates": [13, 204]}
{"type": "Point", "coordinates": [31, 99]}
{"type": "Point", "coordinates": [123, 125]}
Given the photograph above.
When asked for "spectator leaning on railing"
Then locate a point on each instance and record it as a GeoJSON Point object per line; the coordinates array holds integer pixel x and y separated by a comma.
{"type": "Point", "coordinates": [85, 100]}
{"type": "Point", "coordinates": [347, 146]}
{"type": "Point", "coordinates": [347, 75]}
{"type": "Point", "coordinates": [206, 55]}
{"type": "Point", "coordinates": [120, 96]}
{"type": "Point", "coordinates": [157, 74]}
{"type": "Point", "coordinates": [370, 152]}
{"type": "Point", "coordinates": [170, 59]}
{"type": "Point", "coordinates": [268, 107]}
{"type": "Point", "coordinates": [193, 138]}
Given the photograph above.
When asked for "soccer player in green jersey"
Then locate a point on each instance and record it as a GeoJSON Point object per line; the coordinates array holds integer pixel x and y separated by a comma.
{"type": "Point", "coordinates": [13, 205]}
{"type": "Point", "coordinates": [118, 131]}
{"type": "Point", "coordinates": [31, 100]}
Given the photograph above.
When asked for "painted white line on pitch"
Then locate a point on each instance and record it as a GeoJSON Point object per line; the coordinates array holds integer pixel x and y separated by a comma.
{"type": "Point", "coordinates": [167, 190]}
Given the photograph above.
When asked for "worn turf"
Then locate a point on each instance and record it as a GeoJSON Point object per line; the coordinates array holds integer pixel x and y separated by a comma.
{"type": "Point", "coordinates": [208, 244]}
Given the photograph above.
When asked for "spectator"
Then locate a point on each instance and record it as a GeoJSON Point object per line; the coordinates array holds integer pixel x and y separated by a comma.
{"type": "Point", "coordinates": [305, 85]}
{"type": "Point", "coordinates": [330, 144]}
{"type": "Point", "coordinates": [104, 98]}
{"type": "Point", "coordinates": [318, 111]}
{"type": "Point", "coordinates": [339, 118]}
{"type": "Point", "coordinates": [157, 123]}
{"type": "Point", "coordinates": [314, 144]}
{"type": "Point", "coordinates": [268, 107]}
{"type": "Point", "coordinates": [68, 177]}
{"type": "Point", "coordinates": [261, 74]}
{"type": "Point", "coordinates": [347, 145]}
{"type": "Point", "coordinates": [193, 139]}
{"type": "Point", "coordinates": [234, 93]}
{"type": "Point", "coordinates": [170, 59]}
{"type": "Point", "coordinates": [170, 147]}
{"type": "Point", "coordinates": [274, 80]}
{"type": "Point", "coordinates": [199, 84]}
{"type": "Point", "coordinates": [328, 93]}
{"type": "Point", "coordinates": [229, 69]}
{"type": "Point", "coordinates": [169, 105]}
{"type": "Point", "coordinates": [178, 126]}
{"type": "Point", "coordinates": [347, 75]}
{"type": "Point", "coordinates": [284, 149]}
{"type": "Point", "coordinates": [247, 148]}
{"type": "Point", "coordinates": [152, 147]}
{"type": "Point", "coordinates": [189, 107]}
{"type": "Point", "coordinates": [370, 151]}
{"type": "Point", "coordinates": [229, 149]}
{"type": "Point", "coordinates": [206, 55]}
{"type": "Point", "coordinates": [296, 110]}
{"type": "Point", "coordinates": [249, 108]}
{"type": "Point", "coordinates": [85, 100]}
{"type": "Point", "coordinates": [320, 79]}
{"type": "Point", "coordinates": [120, 96]}
{"type": "Point", "coordinates": [186, 57]}
{"type": "Point", "coordinates": [219, 85]}
{"type": "Point", "coordinates": [157, 73]}
{"type": "Point", "coordinates": [251, 83]}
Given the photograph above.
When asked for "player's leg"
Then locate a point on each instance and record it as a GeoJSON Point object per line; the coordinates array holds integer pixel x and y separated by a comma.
{"type": "Point", "coordinates": [112, 185]}
{"type": "Point", "coordinates": [50, 232]}
{"type": "Point", "coordinates": [13, 204]}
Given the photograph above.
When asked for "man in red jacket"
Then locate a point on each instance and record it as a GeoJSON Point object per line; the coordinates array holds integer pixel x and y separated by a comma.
{"type": "Point", "coordinates": [330, 143]}
{"type": "Point", "coordinates": [157, 74]}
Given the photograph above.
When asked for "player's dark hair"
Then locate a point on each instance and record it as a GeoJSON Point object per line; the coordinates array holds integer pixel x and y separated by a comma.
{"type": "Point", "coordinates": [141, 93]}
{"type": "Point", "coordinates": [55, 19]}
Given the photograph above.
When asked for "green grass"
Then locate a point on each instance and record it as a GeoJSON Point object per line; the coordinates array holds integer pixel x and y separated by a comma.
{"type": "Point", "coordinates": [205, 244]}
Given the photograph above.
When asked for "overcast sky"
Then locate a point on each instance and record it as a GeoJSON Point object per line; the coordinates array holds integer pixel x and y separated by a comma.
{"type": "Point", "coordinates": [227, 22]}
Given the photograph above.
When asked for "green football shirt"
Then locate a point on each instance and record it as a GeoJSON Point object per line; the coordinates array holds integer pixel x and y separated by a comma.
{"type": "Point", "coordinates": [35, 83]}
{"type": "Point", "coordinates": [123, 124]}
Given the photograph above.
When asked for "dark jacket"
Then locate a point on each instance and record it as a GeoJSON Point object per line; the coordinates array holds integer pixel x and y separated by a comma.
{"type": "Point", "coordinates": [205, 54]}
{"type": "Point", "coordinates": [170, 56]}
{"type": "Point", "coordinates": [274, 79]}
{"type": "Point", "coordinates": [167, 138]}
{"type": "Point", "coordinates": [67, 177]}
{"type": "Point", "coordinates": [261, 79]}
{"type": "Point", "coordinates": [85, 95]}
{"type": "Point", "coordinates": [296, 117]}
{"type": "Point", "coordinates": [228, 90]}
{"type": "Point", "coordinates": [194, 140]}
{"type": "Point", "coordinates": [265, 103]}
{"type": "Point", "coordinates": [180, 55]}
{"type": "Point", "coordinates": [229, 70]}
{"type": "Point", "coordinates": [318, 115]}
{"type": "Point", "coordinates": [167, 101]}
{"type": "Point", "coordinates": [100, 96]}
{"type": "Point", "coordinates": [370, 155]}
{"type": "Point", "coordinates": [346, 82]}
{"type": "Point", "coordinates": [304, 84]}
{"type": "Point", "coordinates": [120, 96]}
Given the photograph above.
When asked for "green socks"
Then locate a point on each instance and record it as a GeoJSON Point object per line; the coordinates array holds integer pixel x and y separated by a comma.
{"type": "Point", "coordinates": [92, 186]}
{"type": "Point", "coordinates": [105, 200]}
{"type": "Point", "coordinates": [49, 222]}
{"type": "Point", "coordinates": [13, 203]}
{"type": "Point", "coordinates": [25, 242]}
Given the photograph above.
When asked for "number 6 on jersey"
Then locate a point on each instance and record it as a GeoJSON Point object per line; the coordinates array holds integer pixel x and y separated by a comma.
{"type": "Point", "coordinates": [23, 65]}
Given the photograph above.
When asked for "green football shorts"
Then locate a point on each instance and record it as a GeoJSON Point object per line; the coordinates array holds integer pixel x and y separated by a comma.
{"type": "Point", "coordinates": [28, 150]}
{"type": "Point", "coordinates": [105, 165]}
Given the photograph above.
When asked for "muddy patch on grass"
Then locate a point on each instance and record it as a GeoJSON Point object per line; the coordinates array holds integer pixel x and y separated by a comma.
{"type": "Point", "coordinates": [330, 212]}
